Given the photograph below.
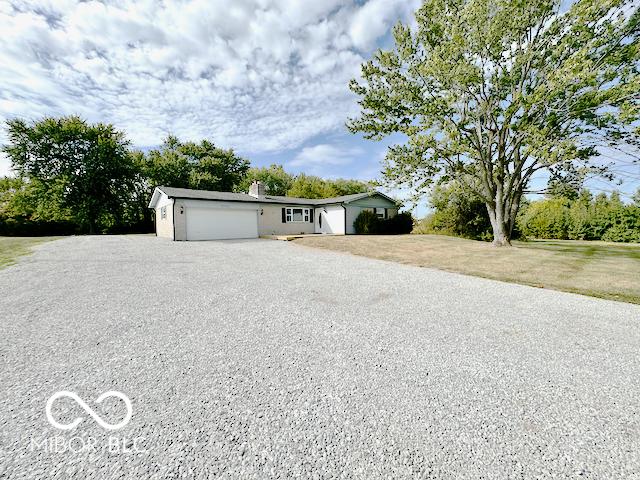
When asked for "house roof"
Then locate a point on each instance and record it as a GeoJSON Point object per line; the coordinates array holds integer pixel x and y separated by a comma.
{"type": "Point", "coordinates": [172, 192]}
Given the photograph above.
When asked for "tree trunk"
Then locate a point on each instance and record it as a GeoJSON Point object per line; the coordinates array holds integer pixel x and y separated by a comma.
{"type": "Point", "coordinates": [501, 226]}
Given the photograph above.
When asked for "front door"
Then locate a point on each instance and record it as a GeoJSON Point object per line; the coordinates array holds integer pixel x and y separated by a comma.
{"type": "Point", "coordinates": [322, 225]}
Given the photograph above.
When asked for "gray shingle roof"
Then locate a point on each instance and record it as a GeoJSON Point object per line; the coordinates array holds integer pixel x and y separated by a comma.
{"type": "Point", "coordinates": [206, 194]}
{"type": "Point", "coordinates": [244, 197]}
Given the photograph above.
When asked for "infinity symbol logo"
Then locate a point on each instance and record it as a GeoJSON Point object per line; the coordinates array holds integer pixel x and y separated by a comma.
{"type": "Point", "coordinates": [87, 408]}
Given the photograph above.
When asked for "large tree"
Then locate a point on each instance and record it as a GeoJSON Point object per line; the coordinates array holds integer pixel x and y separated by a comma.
{"type": "Point", "coordinates": [194, 165]}
{"type": "Point", "coordinates": [310, 186]}
{"type": "Point", "coordinates": [77, 167]}
{"type": "Point", "coordinates": [488, 92]}
{"type": "Point", "coordinates": [275, 179]}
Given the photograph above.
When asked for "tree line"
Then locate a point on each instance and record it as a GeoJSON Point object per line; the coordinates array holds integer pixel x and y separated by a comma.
{"type": "Point", "coordinates": [72, 176]}
{"type": "Point", "coordinates": [564, 213]}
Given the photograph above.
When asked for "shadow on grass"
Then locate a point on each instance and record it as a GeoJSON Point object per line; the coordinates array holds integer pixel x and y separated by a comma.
{"type": "Point", "coordinates": [631, 251]}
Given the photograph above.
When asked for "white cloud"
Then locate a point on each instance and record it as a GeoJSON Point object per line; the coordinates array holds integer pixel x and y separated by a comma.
{"type": "Point", "coordinates": [5, 166]}
{"type": "Point", "coordinates": [373, 19]}
{"type": "Point", "coordinates": [324, 154]}
{"type": "Point", "coordinates": [256, 75]}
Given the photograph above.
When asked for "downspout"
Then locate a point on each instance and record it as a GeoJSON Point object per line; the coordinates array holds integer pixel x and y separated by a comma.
{"type": "Point", "coordinates": [345, 217]}
{"type": "Point", "coordinates": [173, 222]}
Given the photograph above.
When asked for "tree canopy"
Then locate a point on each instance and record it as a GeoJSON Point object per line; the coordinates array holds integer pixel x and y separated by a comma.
{"type": "Point", "coordinates": [201, 166]}
{"type": "Point", "coordinates": [275, 179]}
{"type": "Point", "coordinates": [582, 217]}
{"type": "Point", "coordinates": [310, 186]}
{"type": "Point", "coordinates": [75, 166]}
{"type": "Point", "coordinates": [488, 92]}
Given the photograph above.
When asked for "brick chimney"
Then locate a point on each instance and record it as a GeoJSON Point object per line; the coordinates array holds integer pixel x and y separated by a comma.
{"type": "Point", "coordinates": [257, 189]}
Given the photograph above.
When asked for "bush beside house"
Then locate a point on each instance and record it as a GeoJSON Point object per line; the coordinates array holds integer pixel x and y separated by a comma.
{"type": "Point", "coordinates": [368, 223]}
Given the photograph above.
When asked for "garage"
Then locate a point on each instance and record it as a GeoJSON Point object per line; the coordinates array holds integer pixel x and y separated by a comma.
{"type": "Point", "coordinates": [220, 223]}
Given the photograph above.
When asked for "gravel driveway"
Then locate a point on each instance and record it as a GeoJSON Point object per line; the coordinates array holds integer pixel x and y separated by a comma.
{"type": "Point", "coordinates": [264, 359]}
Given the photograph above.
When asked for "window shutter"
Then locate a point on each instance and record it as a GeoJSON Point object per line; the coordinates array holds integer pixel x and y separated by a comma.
{"type": "Point", "coordinates": [311, 215]}
{"type": "Point", "coordinates": [386, 213]}
{"type": "Point", "coordinates": [284, 215]}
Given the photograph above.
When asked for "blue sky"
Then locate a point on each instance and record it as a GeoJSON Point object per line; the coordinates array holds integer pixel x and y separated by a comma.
{"type": "Point", "coordinates": [266, 77]}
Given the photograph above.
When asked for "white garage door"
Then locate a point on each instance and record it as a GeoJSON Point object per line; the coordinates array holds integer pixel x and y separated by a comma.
{"type": "Point", "coordinates": [221, 223]}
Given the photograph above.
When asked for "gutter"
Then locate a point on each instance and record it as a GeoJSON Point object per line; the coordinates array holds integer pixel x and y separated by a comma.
{"type": "Point", "coordinates": [258, 201]}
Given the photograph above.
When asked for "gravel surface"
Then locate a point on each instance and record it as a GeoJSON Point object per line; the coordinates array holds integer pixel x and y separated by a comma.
{"type": "Point", "coordinates": [264, 359]}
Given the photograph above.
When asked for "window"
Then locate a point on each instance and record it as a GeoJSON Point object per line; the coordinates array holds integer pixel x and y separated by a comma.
{"type": "Point", "coordinates": [297, 214]}
{"type": "Point", "coordinates": [380, 212]}
{"type": "Point", "coordinates": [163, 212]}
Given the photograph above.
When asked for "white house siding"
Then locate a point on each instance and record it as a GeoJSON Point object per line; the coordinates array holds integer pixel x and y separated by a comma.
{"type": "Point", "coordinates": [164, 226]}
{"type": "Point", "coordinates": [270, 221]}
{"type": "Point", "coordinates": [182, 206]}
{"type": "Point", "coordinates": [332, 219]}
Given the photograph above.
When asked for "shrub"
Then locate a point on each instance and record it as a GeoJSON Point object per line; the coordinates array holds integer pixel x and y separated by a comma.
{"type": "Point", "coordinates": [625, 225]}
{"type": "Point", "coordinates": [585, 218]}
{"type": "Point", "coordinates": [546, 219]}
{"type": "Point", "coordinates": [580, 227]}
{"type": "Point", "coordinates": [401, 224]}
{"type": "Point", "coordinates": [368, 223]}
{"type": "Point", "coordinates": [24, 227]}
{"type": "Point", "coordinates": [457, 211]}
{"type": "Point", "coordinates": [622, 233]}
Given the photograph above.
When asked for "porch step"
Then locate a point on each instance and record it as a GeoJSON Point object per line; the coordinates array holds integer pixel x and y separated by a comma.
{"type": "Point", "coordinates": [288, 238]}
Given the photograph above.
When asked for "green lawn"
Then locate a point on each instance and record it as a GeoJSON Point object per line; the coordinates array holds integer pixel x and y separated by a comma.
{"type": "Point", "coordinates": [13, 247]}
{"type": "Point", "coordinates": [599, 269]}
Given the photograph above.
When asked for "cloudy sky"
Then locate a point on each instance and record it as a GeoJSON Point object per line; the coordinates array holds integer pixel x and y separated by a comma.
{"type": "Point", "coordinates": [266, 77]}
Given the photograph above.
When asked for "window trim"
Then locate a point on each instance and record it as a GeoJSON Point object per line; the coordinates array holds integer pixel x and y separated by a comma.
{"type": "Point", "coordinates": [306, 214]}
